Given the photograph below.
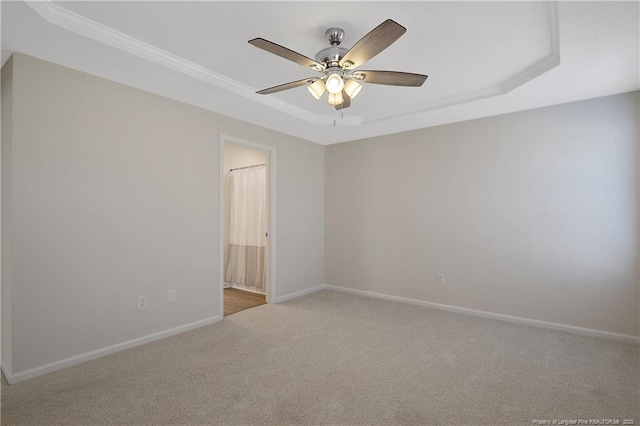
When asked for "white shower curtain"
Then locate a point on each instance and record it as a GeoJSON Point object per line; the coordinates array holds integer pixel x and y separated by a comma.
{"type": "Point", "coordinates": [248, 227]}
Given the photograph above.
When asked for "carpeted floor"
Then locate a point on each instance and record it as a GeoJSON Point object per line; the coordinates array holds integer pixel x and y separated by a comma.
{"type": "Point", "coordinates": [333, 358]}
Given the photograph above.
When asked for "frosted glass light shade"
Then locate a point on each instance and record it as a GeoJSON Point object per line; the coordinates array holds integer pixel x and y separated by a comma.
{"type": "Point", "coordinates": [335, 98]}
{"type": "Point", "coordinates": [352, 88]}
{"type": "Point", "coordinates": [317, 89]}
{"type": "Point", "coordinates": [334, 83]}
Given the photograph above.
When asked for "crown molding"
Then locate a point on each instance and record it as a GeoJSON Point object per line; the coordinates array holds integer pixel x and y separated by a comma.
{"type": "Point", "coordinates": [540, 67]}
{"type": "Point", "coordinates": [74, 22]}
{"type": "Point", "coordinates": [71, 21]}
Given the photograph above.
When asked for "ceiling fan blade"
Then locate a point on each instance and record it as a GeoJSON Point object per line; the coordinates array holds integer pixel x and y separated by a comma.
{"type": "Point", "coordinates": [346, 101]}
{"type": "Point", "coordinates": [286, 86]}
{"type": "Point", "coordinates": [289, 54]}
{"type": "Point", "coordinates": [392, 78]}
{"type": "Point", "coordinates": [373, 43]}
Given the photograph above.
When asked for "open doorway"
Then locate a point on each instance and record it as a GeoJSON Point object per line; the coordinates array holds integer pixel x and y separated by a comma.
{"type": "Point", "coordinates": [246, 224]}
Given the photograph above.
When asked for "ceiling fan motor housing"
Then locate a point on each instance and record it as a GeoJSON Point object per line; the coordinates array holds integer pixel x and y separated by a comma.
{"type": "Point", "coordinates": [332, 55]}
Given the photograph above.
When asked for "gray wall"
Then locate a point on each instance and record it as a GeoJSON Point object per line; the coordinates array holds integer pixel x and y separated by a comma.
{"type": "Point", "coordinates": [532, 214]}
{"type": "Point", "coordinates": [115, 195]}
{"type": "Point", "coordinates": [109, 192]}
{"type": "Point", "coordinates": [7, 136]}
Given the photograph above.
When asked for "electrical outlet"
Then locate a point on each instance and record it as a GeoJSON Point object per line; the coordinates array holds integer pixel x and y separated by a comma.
{"type": "Point", "coordinates": [440, 278]}
{"type": "Point", "coordinates": [171, 296]}
{"type": "Point", "coordinates": [142, 302]}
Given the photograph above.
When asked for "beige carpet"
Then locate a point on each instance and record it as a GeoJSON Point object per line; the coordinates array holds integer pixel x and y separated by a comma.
{"type": "Point", "coordinates": [333, 358]}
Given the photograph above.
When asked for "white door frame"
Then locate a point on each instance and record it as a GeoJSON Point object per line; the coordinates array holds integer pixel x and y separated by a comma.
{"type": "Point", "coordinates": [271, 239]}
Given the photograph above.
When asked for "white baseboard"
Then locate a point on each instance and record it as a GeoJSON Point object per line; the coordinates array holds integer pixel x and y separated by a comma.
{"type": "Point", "coordinates": [6, 372]}
{"type": "Point", "coordinates": [88, 356]}
{"type": "Point", "coordinates": [544, 324]}
{"type": "Point", "coordinates": [299, 293]}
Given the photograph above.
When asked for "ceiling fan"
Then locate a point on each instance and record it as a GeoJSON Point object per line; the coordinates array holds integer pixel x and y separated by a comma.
{"type": "Point", "coordinates": [338, 65]}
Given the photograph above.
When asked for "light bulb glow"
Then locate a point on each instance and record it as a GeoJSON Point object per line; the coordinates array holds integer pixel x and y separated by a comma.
{"type": "Point", "coordinates": [334, 83]}
{"type": "Point", "coordinates": [352, 88]}
{"type": "Point", "coordinates": [317, 89]}
{"type": "Point", "coordinates": [335, 98]}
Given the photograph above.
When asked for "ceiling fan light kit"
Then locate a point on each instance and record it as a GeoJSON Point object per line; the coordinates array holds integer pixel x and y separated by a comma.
{"type": "Point", "coordinates": [352, 88]}
{"type": "Point", "coordinates": [335, 99]}
{"type": "Point", "coordinates": [334, 83]}
{"type": "Point", "coordinates": [317, 88]}
{"type": "Point", "coordinates": [337, 65]}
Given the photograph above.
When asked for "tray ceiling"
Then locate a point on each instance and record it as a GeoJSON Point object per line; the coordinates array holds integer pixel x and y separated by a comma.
{"type": "Point", "coordinates": [482, 58]}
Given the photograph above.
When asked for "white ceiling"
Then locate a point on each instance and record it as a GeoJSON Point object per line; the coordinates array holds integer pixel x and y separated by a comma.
{"type": "Point", "coordinates": [482, 58]}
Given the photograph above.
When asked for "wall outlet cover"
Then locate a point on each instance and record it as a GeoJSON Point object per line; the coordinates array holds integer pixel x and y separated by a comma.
{"type": "Point", "coordinates": [143, 302]}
